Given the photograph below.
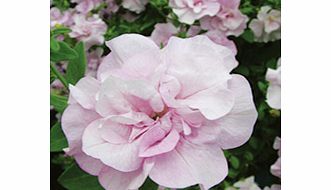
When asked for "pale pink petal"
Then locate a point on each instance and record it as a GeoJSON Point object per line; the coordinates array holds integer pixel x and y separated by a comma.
{"type": "Point", "coordinates": [188, 58]}
{"type": "Point", "coordinates": [275, 169]}
{"type": "Point", "coordinates": [162, 32]}
{"type": "Point", "coordinates": [89, 164]}
{"type": "Point", "coordinates": [166, 145]}
{"type": "Point", "coordinates": [122, 157]}
{"type": "Point", "coordinates": [237, 126]}
{"type": "Point", "coordinates": [84, 92]}
{"type": "Point", "coordinates": [188, 165]}
{"type": "Point", "coordinates": [74, 121]}
{"type": "Point", "coordinates": [274, 96]}
{"type": "Point", "coordinates": [213, 103]}
{"type": "Point", "coordinates": [128, 45]}
{"type": "Point", "coordinates": [112, 179]}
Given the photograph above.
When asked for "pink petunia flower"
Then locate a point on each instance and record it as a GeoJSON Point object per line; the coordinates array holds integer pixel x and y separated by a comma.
{"type": "Point", "coordinates": [89, 30]}
{"type": "Point", "coordinates": [61, 18]}
{"type": "Point", "coordinates": [159, 112]}
{"type": "Point", "coordinates": [229, 19]}
{"type": "Point", "coordinates": [276, 167]}
{"type": "Point", "coordinates": [246, 184]}
{"type": "Point", "coordinates": [267, 25]}
{"type": "Point", "coordinates": [85, 6]}
{"type": "Point", "coordinates": [220, 38]}
{"type": "Point", "coordinates": [273, 187]}
{"type": "Point", "coordinates": [190, 10]}
{"type": "Point", "coordinates": [274, 90]}
{"type": "Point", "coordinates": [94, 59]}
{"type": "Point", "coordinates": [162, 33]}
{"type": "Point", "coordinates": [136, 6]}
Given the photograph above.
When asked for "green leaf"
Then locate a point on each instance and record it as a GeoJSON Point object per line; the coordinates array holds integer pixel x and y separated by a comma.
{"type": "Point", "coordinates": [149, 185]}
{"type": "Point", "coordinates": [58, 140]}
{"type": "Point", "coordinates": [73, 178]}
{"type": "Point", "coordinates": [76, 67]}
{"type": "Point", "coordinates": [59, 102]}
{"type": "Point", "coordinates": [248, 35]}
{"type": "Point", "coordinates": [54, 44]}
{"type": "Point", "coordinates": [64, 53]}
{"type": "Point", "coordinates": [234, 162]}
{"type": "Point", "coordinates": [52, 76]}
{"type": "Point", "coordinates": [59, 31]}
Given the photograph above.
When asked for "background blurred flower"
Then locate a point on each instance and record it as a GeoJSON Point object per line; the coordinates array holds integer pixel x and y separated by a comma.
{"type": "Point", "coordinates": [190, 10]}
{"type": "Point", "coordinates": [136, 6]}
{"type": "Point", "coordinates": [273, 76]}
{"type": "Point", "coordinates": [89, 30]}
{"type": "Point", "coordinates": [246, 184]}
{"type": "Point", "coordinates": [61, 18]}
{"type": "Point", "coordinates": [228, 20]}
{"type": "Point", "coordinates": [162, 33]}
{"type": "Point", "coordinates": [276, 167]}
{"type": "Point", "coordinates": [85, 6]}
{"type": "Point", "coordinates": [267, 25]}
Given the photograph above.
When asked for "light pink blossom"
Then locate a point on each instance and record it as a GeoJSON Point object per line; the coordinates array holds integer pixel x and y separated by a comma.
{"type": "Point", "coordinates": [190, 10]}
{"type": "Point", "coordinates": [246, 184]}
{"type": "Point", "coordinates": [136, 6]}
{"type": "Point", "coordinates": [159, 112]}
{"type": "Point", "coordinates": [61, 18]}
{"type": "Point", "coordinates": [276, 167]}
{"type": "Point", "coordinates": [85, 6]}
{"type": "Point", "coordinates": [273, 76]}
{"type": "Point", "coordinates": [162, 33]}
{"type": "Point", "coordinates": [228, 20]}
{"type": "Point", "coordinates": [220, 38]}
{"type": "Point", "coordinates": [273, 187]}
{"type": "Point", "coordinates": [89, 30]}
{"type": "Point", "coordinates": [267, 25]}
{"type": "Point", "coordinates": [94, 59]}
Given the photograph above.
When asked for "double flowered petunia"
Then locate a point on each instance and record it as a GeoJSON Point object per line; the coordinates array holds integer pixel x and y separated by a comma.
{"type": "Point", "coordinates": [273, 76]}
{"type": "Point", "coordinates": [266, 27]}
{"type": "Point", "coordinates": [229, 20]}
{"type": "Point", "coordinates": [190, 10]}
{"type": "Point", "coordinates": [88, 29]}
{"type": "Point", "coordinates": [165, 114]}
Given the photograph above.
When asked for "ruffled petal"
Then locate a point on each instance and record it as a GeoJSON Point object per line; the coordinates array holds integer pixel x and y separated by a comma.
{"type": "Point", "coordinates": [237, 126]}
{"type": "Point", "coordinates": [188, 165]}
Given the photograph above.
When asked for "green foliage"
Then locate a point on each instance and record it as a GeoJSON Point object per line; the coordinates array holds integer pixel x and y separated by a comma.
{"type": "Point", "coordinates": [58, 102]}
{"type": "Point", "coordinates": [65, 52]}
{"type": "Point", "coordinates": [60, 30]}
{"type": "Point", "coordinates": [73, 178]}
{"type": "Point", "coordinates": [58, 140]}
{"type": "Point", "coordinates": [77, 67]}
{"type": "Point", "coordinates": [149, 185]}
{"type": "Point", "coordinates": [61, 4]}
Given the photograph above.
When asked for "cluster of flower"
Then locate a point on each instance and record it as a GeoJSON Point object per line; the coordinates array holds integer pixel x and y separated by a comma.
{"type": "Point", "coordinates": [152, 107]}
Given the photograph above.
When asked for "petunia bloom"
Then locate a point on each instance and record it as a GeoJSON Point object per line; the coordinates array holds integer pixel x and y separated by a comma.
{"type": "Point", "coordinates": [246, 184]}
{"type": "Point", "coordinates": [273, 76]}
{"type": "Point", "coordinates": [85, 6]}
{"type": "Point", "coordinates": [190, 10]}
{"type": "Point", "coordinates": [159, 112]}
{"type": "Point", "coordinates": [136, 6]}
{"type": "Point", "coordinates": [276, 167]}
{"type": "Point", "coordinates": [229, 19]}
{"type": "Point", "coordinates": [273, 187]}
{"type": "Point", "coordinates": [61, 18]}
{"type": "Point", "coordinates": [162, 33]}
{"type": "Point", "coordinates": [94, 59]}
{"type": "Point", "coordinates": [89, 30]}
{"type": "Point", "coordinates": [267, 25]}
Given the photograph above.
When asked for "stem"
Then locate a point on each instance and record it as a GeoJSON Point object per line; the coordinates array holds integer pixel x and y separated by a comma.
{"type": "Point", "coordinates": [59, 76]}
